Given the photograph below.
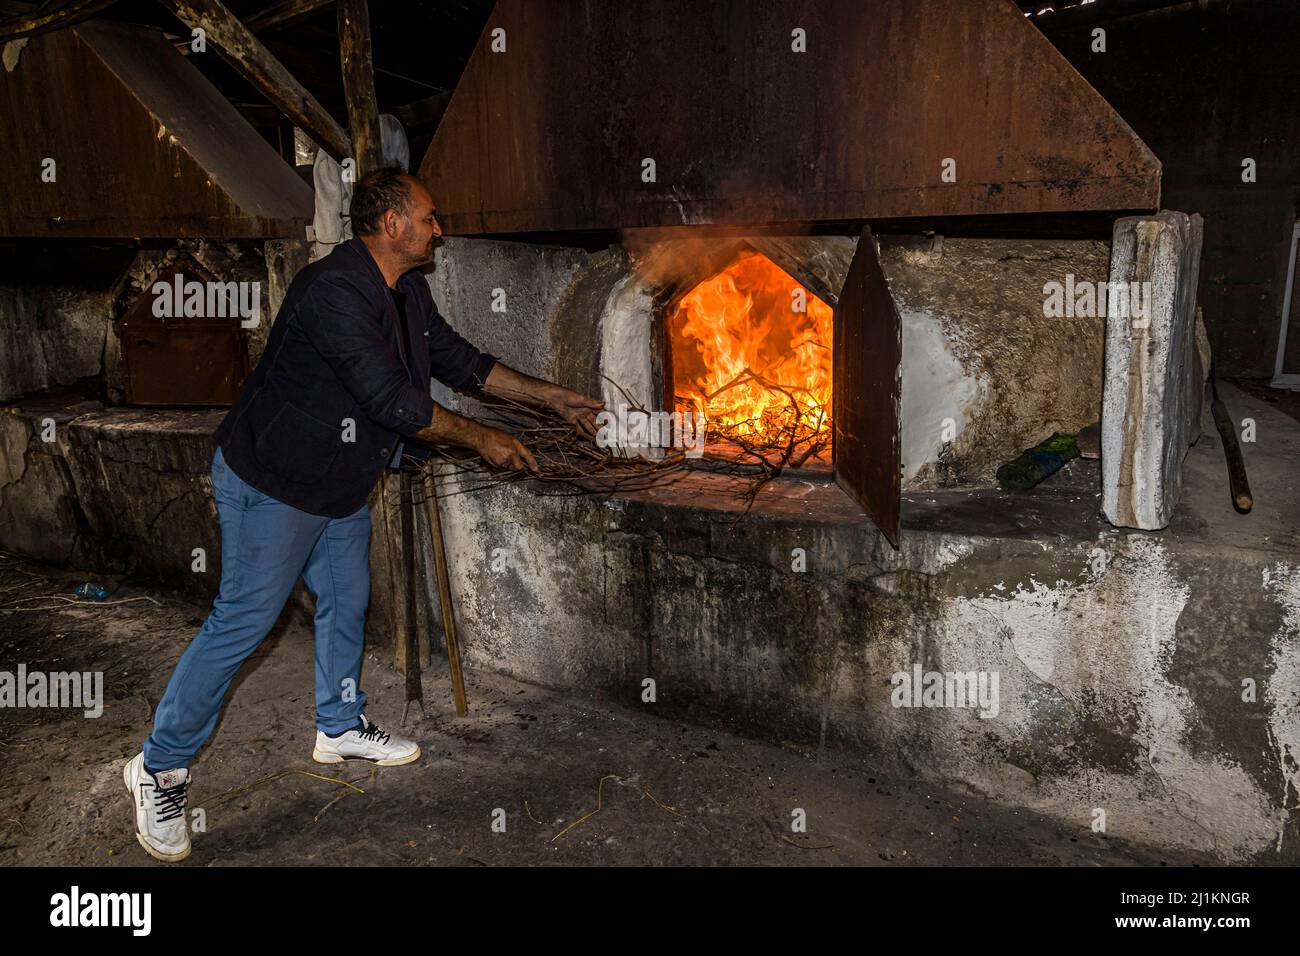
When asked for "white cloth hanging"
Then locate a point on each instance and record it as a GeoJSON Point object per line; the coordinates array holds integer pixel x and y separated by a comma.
{"type": "Point", "coordinates": [334, 195]}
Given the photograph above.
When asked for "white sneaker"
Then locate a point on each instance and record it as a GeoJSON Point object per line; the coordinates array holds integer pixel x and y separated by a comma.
{"type": "Point", "coordinates": [370, 743]}
{"type": "Point", "coordinates": [159, 802]}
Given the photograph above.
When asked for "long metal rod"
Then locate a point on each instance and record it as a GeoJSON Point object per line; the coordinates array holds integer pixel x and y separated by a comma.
{"type": "Point", "coordinates": [444, 593]}
{"type": "Point", "coordinates": [1281, 378]}
{"type": "Point", "coordinates": [414, 688]}
{"type": "Point", "coordinates": [1242, 498]}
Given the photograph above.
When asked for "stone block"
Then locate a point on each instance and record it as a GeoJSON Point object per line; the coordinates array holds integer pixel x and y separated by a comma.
{"type": "Point", "coordinates": [1151, 390]}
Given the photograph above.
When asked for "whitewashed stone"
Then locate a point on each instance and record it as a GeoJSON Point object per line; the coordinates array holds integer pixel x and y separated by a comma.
{"type": "Point", "coordinates": [1151, 388]}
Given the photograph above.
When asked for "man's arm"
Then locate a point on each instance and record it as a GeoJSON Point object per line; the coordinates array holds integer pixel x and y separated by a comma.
{"type": "Point", "coordinates": [574, 407]}
{"type": "Point", "coordinates": [498, 448]}
{"type": "Point", "coordinates": [454, 360]}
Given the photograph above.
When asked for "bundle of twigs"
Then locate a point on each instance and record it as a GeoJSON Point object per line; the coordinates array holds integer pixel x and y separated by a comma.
{"type": "Point", "coordinates": [763, 448]}
{"type": "Point", "coordinates": [570, 464]}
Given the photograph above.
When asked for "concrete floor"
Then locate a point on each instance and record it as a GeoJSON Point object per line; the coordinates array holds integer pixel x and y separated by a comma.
{"type": "Point", "coordinates": [672, 793]}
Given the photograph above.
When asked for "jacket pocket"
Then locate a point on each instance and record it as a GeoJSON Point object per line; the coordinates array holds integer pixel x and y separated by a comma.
{"type": "Point", "coordinates": [296, 446]}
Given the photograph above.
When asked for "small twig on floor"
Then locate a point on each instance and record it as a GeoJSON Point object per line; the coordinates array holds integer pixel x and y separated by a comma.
{"type": "Point", "coordinates": [662, 806]}
{"type": "Point", "coordinates": [804, 846]}
{"type": "Point", "coordinates": [66, 600]}
{"type": "Point", "coordinates": [475, 860]}
{"type": "Point", "coordinates": [530, 813]}
{"type": "Point", "coordinates": [231, 794]}
{"type": "Point", "coordinates": [600, 789]}
{"type": "Point", "coordinates": [321, 813]}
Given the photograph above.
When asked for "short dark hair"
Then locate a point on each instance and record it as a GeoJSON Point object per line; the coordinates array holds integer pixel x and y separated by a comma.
{"type": "Point", "coordinates": [379, 191]}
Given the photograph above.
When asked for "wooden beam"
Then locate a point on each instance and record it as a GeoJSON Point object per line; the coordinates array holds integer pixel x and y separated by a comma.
{"type": "Point", "coordinates": [285, 13]}
{"type": "Point", "coordinates": [258, 65]}
{"type": "Point", "coordinates": [30, 20]}
{"type": "Point", "coordinates": [409, 640]}
{"type": "Point", "coordinates": [359, 84]}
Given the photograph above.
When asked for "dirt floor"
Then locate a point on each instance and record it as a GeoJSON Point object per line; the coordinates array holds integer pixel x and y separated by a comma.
{"type": "Point", "coordinates": [671, 794]}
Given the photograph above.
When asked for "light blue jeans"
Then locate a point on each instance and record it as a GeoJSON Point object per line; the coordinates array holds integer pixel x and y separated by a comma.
{"type": "Point", "coordinates": [266, 545]}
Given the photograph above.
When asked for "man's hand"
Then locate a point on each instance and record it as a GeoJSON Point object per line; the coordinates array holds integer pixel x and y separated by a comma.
{"type": "Point", "coordinates": [502, 450]}
{"type": "Point", "coordinates": [497, 448]}
{"type": "Point", "coordinates": [575, 408]}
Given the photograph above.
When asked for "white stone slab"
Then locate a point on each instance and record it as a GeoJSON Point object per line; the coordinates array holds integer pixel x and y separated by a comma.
{"type": "Point", "coordinates": [1151, 389]}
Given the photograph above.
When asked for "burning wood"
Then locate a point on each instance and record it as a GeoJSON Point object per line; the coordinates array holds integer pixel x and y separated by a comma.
{"type": "Point", "coordinates": [752, 351]}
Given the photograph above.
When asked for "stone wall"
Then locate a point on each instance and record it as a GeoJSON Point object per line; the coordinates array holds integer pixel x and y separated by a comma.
{"type": "Point", "coordinates": [979, 350]}
{"type": "Point", "coordinates": [56, 300]}
{"type": "Point", "coordinates": [59, 303]}
{"type": "Point", "coordinates": [1120, 658]}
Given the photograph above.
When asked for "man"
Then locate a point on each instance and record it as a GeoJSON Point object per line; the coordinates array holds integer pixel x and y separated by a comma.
{"type": "Point", "coordinates": [344, 379]}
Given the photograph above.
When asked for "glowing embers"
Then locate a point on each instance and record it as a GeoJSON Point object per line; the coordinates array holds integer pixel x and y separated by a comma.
{"type": "Point", "coordinates": [751, 350]}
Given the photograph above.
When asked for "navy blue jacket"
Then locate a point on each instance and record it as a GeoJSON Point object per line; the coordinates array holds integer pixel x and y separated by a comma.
{"type": "Point", "coordinates": [334, 392]}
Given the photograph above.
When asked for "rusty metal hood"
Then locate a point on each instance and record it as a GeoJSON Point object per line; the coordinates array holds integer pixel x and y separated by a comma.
{"type": "Point", "coordinates": [141, 144]}
{"type": "Point", "coordinates": [606, 114]}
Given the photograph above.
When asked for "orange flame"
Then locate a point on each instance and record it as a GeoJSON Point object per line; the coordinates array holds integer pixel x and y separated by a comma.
{"type": "Point", "coordinates": [744, 355]}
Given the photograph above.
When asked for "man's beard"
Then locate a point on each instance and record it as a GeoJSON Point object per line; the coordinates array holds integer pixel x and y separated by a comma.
{"type": "Point", "coordinates": [418, 255]}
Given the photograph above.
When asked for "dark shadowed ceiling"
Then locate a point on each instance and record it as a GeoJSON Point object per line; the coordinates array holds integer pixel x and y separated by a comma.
{"type": "Point", "coordinates": [420, 50]}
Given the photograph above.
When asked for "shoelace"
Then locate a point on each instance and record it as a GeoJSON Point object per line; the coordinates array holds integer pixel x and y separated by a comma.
{"type": "Point", "coordinates": [373, 733]}
{"type": "Point", "coordinates": [169, 802]}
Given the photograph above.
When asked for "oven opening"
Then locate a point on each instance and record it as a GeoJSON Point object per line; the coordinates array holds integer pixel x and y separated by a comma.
{"type": "Point", "coordinates": [750, 349]}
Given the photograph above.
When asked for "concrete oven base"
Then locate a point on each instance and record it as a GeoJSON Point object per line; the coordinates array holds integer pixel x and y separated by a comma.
{"type": "Point", "coordinates": [1120, 656]}
{"type": "Point", "coordinates": [1124, 661]}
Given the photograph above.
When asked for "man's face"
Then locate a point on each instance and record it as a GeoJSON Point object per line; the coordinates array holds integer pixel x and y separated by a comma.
{"type": "Point", "coordinates": [417, 231]}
